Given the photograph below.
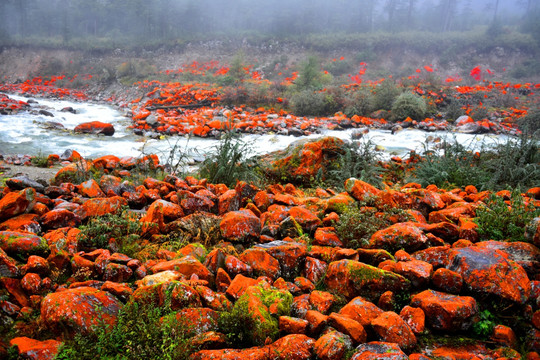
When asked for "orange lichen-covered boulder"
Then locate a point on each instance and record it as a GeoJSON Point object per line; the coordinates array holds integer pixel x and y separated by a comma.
{"type": "Point", "coordinates": [91, 189]}
{"type": "Point", "coordinates": [17, 202]}
{"type": "Point", "coordinates": [101, 206]}
{"type": "Point", "coordinates": [290, 255]}
{"type": "Point", "coordinates": [361, 310]}
{"type": "Point", "coordinates": [240, 226]}
{"type": "Point", "coordinates": [525, 254]}
{"type": "Point", "coordinates": [305, 218]}
{"type": "Point", "coordinates": [446, 312]}
{"type": "Point", "coordinates": [390, 327]}
{"type": "Point", "coordinates": [34, 349]}
{"type": "Point", "coordinates": [488, 271]}
{"type": "Point", "coordinates": [59, 218]}
{"type": "Point", "coordinates": [405, 236]}
{"type": "Point", "coordinates": [79, 310]}
{"type": "Point", "coordinates": [262, 263]}
{"type": "Point", "coordinates": [95, 127]}
{"type": "Point", "coordinates": [72, 173]}
{"type": "Point", "coordinates": [352, 278]}
{"type": "Point", "coordinates": [187, 265]}
{"type": "Point", "coordinates": [22, 245]}
{"type": "Point", "coordinates": [23, 223]}
{"type": "Point", "coordinates": [361, 190]}
{"type": "Point", "coordinates": [379, 350]}
{"type": "Point", "coordinates": [194, 321]}
{"type": "Point", "coordinates": [304, 159]}
{"type": "Point", "coordinates": [176, 293]}
{"type": "Point", "coordinates": [332, 346]}
{"type": "Point", "coordinates": [293, 347]}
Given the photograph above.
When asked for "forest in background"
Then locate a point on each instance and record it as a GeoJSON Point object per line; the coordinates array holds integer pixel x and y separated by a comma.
{"type": "Point", "coordinates": [121, 23]}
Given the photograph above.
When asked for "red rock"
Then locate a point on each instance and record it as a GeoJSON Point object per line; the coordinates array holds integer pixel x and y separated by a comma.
{"type": "Point", "coordinates": [317, 321]}
{"type": "Point", "coordinates": [290, 347]}
{"type": "Point", "coordinates": [176, 293]}
{"type": "Point", "coordinates": [91, 189]}
{"type": "Point", "coordinates": [315, 269]}
{"type": "Point", "coordinates": [194, 321]}
{"type": "Point", "coordinates": [332, 346]}
{"type": "Point", "coordinates": [387, 301]}
{"type": "Point", "coordinates": [31, 283]}
{"type": "Point", "coordinates": [304, 284]}
{"type": "Point", "coordinates": [109, 162]}
{"type": "Point", "coordinates": [213, 300]}
{"type": "Point", "coordinates": [95, 127]}
{"type": "Point", "coordinates": [352, 278]}
{"type": "Point", "coordinates": [240, 226]}
{"type": "Point", "coordinates": [390, 327]}
{"type": "Point", "coordinates": [160, 212]}
{"type": "Point", "coordinates": [447, 281]}
{"type": "Point", "coordinates": [78, 310]}
{"type": "Point", "coordinates": [321, 301]}
{"type": "Point", "coordinates": [234, 266]}
{"type": "Point", "coordinates": [36, 350]}
{"type": "Point", "coordinates": [445, 230]}
{"type": "Point", "coordinates": [504, 336]}
{"type": "Point", "coordinates": [23, 223]}
{"type": "Point", "coordinates": [339, 201]}
{"type": "Point", "coordinates": [192, 203]}
{"type": "Point", "coordinates": [286, 286]}
{"type": "Point", "coordinates": [19, 244]}
{"type": "Point", "coordinates": [405, 236]}
{"type": "Point", "coordinates": [488, 271]}
{"type": "Point", "coordinates": [59, 218]}
{"type": "Point", "coordinates": [17, 203]}
{"type": "Point", "coordinates": [525, 254]}
{"type": "Point", "coordinates": [349, 327]}
{"type": "Point", "coordinates": [532, 231]}
{"type": "Point", "coordinates": [437, 256]}
{"type": "Point", "coordinates": [292, 325]}
{"type": "Point", "coordinates": [463, 352]}
{"type": "Point", "coordinates": [418, 272]}
{"type": "Point", "coordinates": [291, 256]}
{"type": "Point", "coordinates": [373, 256]}
{"type": "Point", "coordinates": [101, 206]}
{"type": "Point", "coordinates": [262, 263]}
{"type": "Point", "coordinates": [451, 215]}
{"type": "Point", "coordinates": [444, 311]}
{"type": "Point", "coordinates": [117, 273]}
{"type": "Point", "coordinates": [228, 201]}
{"type": "Point", "coordinates": [239, 285]}
{"type": "Point", "coordinates": [414, 317]}
{"type": "Point", "coordinates": [72, 173]}
{"type": "Point", "coordinates": [326, 236]}
{"type": "Point", "coordinates": [378, 350]}
{"type": "Point", "coordinates": [305, 218]}
{"type": "Point", "coordinates": [468, 229]}
{"type": "Point", "coordinates": [361, 310]}
{"type": "Point", "coordinates": [39, 209]}
{"type": "Point", "coordinates": [187, 265]}
{"type": "Point", "coordinates": [121, 291]}
{"type": "Point", "coordinates": [8, 266]}
{"type": "Point", "coordinates": [361, 190]}
{"type": "Point", "coordinates": [223, 280]}
{"type": "Point", "coordinates": [300, 305]}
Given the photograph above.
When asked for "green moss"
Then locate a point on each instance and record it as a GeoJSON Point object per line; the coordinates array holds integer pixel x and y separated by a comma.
{"type": "Point", "coordinates": [243, 325]}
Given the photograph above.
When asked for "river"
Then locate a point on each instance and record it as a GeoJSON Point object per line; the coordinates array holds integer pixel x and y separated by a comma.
{"type": "Point", "coordinates": [26, 133]}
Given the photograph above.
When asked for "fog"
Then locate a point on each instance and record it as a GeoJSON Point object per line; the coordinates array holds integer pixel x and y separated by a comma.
{"type": "Point", "coordinates": [158, 20]}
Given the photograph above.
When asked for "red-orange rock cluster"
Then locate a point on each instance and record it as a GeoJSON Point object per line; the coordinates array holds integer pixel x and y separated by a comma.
{"type": "Point", "coordinates": [430, 275]}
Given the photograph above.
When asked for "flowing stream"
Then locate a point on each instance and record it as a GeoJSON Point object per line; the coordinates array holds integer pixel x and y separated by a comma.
{"type": "Point", "coordinates": [27, 133]}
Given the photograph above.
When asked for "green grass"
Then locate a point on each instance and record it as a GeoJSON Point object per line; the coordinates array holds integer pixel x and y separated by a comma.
{"type": "Point", "coordinates": [498, 220]}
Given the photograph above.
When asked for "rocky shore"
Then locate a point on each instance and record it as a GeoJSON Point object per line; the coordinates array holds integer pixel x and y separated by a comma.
{"type": "Point", "coordinates": [423, 287]}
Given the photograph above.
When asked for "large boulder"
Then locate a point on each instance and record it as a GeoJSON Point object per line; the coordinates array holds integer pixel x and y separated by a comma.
{"type": "Point", "coordinates": [16, 203]}
{"type": "Point", "coordinates": [22, 245]}
{"type": "Point", "coordinates": [352, 278]}
{"type": "Point", "coordinates": [446, 312]}
{"type": "Point", "coordinates": [79, 310]}
{"type": "Point", "coordinates": [489, 272]}
{"type": "Point", "coordinates": [240, 226]}
{"type": "Point", "coordinates": [95, 127]}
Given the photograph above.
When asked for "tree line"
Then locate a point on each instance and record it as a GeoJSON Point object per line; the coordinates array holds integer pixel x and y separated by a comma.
{"type": "Point", "coordinates": [158, 20]}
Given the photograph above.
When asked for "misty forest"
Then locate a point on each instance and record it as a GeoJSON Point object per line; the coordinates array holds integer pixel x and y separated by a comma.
{"type": "Point", "coordinates": [273, 180]}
